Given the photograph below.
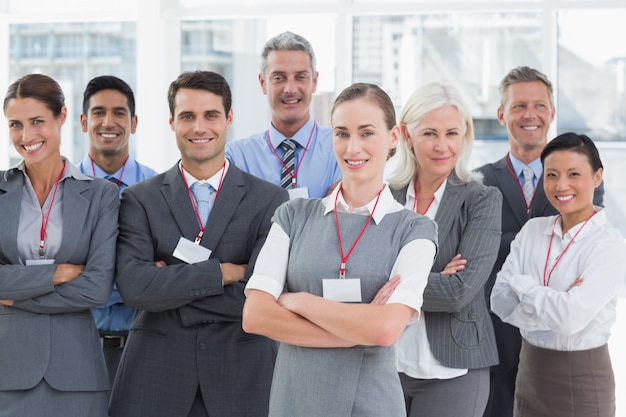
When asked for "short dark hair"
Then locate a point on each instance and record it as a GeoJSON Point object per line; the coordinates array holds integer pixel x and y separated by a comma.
{"type": "Point", "coordinates": [40, 87]}
{"type": "Point", "coordinates": [576, 143]}
{"type": "Point", "coordinates": [200, 80]}
{"type": "Point", "coordinates": [524, 74]}
{"type": "Point", "coordinates": [108, 82]}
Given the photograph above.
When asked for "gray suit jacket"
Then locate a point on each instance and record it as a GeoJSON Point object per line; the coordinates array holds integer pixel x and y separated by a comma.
{"type": "Point", "coordinates": [457, 320]}
{"type": "Point", "coordinates": [49, 332]}
{"type": "Point", "coordinates": [187, 331]}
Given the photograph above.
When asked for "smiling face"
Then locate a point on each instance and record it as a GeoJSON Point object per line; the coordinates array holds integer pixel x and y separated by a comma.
{"type": "Point", "coordinates": [362, 141]}
{"type": "Point", "coordinates": [289, 83]}
{"type": "Point", "coordinates": [527, 113]}
{"type": "Point", "coordinates": [108, 123]}
{"type": "Point", "coordinates": [200, 124]}
{"type": "Point", "coordinates": [34, 130]}
{"type": "Point", "coordinates": [569, 183]}
{"type": "Point", "coordinates": [436, 141]}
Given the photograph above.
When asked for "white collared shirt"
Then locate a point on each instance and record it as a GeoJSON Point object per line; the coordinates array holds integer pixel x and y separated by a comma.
{"type": "Point", "coordinates": [213, 181]}
{"type": "Point", "coordinates": [552, 317]}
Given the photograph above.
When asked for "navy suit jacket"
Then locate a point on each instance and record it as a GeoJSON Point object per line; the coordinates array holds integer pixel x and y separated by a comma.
{"type": "Point", "coordinates": [187, 331]}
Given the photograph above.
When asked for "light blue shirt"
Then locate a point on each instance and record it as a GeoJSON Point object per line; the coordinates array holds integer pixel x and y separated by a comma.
{"type": "Point", "coordinates": [316, 168]}
{"type": "Point", "coordinates": [518, 166]}
{"type": "Point", "coordinates": [114, 316]}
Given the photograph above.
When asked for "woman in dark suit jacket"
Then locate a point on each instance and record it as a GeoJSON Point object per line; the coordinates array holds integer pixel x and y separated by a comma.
{"type": "Point", "coordinates": [444, 359]}
{"type": "Point", "coordinates": [57, 255]}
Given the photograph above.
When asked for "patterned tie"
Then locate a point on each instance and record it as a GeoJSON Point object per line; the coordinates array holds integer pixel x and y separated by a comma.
{"type": "Point", "coordinates": [289, 163]}
{"type": "Point", "coordinates": [528, 187]}
{"type": "Point", "coordinates": [203, 194]}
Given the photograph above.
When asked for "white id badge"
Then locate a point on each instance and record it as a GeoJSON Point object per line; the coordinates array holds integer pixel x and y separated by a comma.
{"type": "Point", "coordinates": [302, 192]}
{"type": "Point", "coordinates": [346, 290]}
{"type": "Point", "coordinates": [189, 252]}
{"type": "Point", "coordinates": [32, 262]}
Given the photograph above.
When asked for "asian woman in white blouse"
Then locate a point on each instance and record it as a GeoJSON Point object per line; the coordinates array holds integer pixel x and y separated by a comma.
{"type": "Point", "coordinates": [559, 285]}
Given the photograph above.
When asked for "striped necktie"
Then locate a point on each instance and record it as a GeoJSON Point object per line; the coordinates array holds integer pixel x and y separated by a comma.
{"type": "Point", "coordinates": [289, 163]}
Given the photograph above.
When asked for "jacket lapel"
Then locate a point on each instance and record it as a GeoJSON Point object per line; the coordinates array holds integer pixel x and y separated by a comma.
{"type": "Point", "coordinates": [511, 191]}
{"type": "Point", "coordinates": [176, 196]}
{"type": "Point", "coordinates": [11, 203]}
{"type": "Point", "coordinates": [76, 201]}
{"type": "Point", "coordinates": [232, 192]}
{"type": "Point", "coordinates": [448, 211]}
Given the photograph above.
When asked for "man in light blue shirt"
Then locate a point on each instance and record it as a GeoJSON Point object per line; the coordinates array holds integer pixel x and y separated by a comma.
{"type": "Point", "coordinates": [109, 118]}
{"type": "Point", "coordinates": [288, 78]}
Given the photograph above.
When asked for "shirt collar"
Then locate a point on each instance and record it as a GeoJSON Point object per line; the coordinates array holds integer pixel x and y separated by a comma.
{"type": "Point", "coordinates": [410, 192]}
{"type": "Point", "coordinates": [597, 220]}
{"type": "Point", "coordinates": [386, 204]}
{"type": "Point", "coordinates": [213, 181]}
{"type": "Point", "coordinates": [129, 168]}
{"type": "Point", "coordinates": [70, 170]}
{"type": "Point", "coordinates": [518, 166]}
{"type": "Point", "coordinates": [302, 135]}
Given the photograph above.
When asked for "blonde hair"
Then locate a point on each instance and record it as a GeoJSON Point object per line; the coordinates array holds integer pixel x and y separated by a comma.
{"type": "Point", "coordinates": [424, 100]}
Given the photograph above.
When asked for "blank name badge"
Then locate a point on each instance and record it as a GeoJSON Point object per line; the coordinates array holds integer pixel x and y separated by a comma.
{"type": "Point", "coordinates": [347, 290]}
{"type": "Point", "coordinates": [302, 192]}
{"type": "Point", "coordinates": [188, 251]}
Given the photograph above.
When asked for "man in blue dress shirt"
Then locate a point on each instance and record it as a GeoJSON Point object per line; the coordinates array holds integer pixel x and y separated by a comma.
{"type": "Point", "coordinates": [288, 78]}
{"type": "Point", "coordinates": [108, 117]}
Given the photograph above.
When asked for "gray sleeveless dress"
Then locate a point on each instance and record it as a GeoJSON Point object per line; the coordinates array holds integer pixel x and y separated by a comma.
{"type": "Point", "coordinates": [359, 381]}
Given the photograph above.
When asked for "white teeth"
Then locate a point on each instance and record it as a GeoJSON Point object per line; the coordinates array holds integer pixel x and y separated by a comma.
{"type": "Point", "coordinates": [291, 101]}
{"type": "Point", "coordinates": [530, 127]}
{"type": "Point", "coordinates": [33, 147]}
{"type": "Point", "coordinates": [355, 163]}
{"type": "Point", "coordinates": [108, 135]}
{"type": "Point", "coordinates": [564, 197]}
{"type": "Point", "coordinates": [200, 140]}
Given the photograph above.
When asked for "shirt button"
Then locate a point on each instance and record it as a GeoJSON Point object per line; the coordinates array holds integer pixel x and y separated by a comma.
{"type": "Point", "coordinates": [202, 346]}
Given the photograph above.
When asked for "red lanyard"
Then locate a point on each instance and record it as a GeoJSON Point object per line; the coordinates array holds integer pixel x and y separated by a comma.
{"type": "Point", "coordinates": [193, 200]}
{"type": "Point", "coordinates": [306, 148]}
{"type": "Point", "coordinates": [344, 258]}
{"type": "Point", "coordinates": [119, 180]}
{"type": "Point", "coordinates": [546, 280]}
{"type": "Point", "coordinates": [44, 220]}
{"type": "Point", "coordinates": [521, 187]}
{"type": "Point", "coordinates": [415, 200]}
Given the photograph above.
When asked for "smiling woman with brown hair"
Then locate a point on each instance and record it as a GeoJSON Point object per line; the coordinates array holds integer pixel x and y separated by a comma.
{"type": "Point", "coordinates": [58, 232]}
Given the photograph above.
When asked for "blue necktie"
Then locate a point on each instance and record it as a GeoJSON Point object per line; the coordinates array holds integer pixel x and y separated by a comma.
{"type": "Point", "coordinates": [203, 193]}
{"type": "Point", "coordinates": [289, 163]}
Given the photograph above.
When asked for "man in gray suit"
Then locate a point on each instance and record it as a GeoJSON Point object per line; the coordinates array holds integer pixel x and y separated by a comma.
{"type": "Point", "coordinates": [526, 109]}
{"type": "Point", "coordinates": [186, 354]}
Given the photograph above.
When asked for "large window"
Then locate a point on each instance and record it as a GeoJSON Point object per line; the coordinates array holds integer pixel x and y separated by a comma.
{"type": "Point", "coordinates": [73, 53]}
{"type": "Point", "coordinates": [398, 44]}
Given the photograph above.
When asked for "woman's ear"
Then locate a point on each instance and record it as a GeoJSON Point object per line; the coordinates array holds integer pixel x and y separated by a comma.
{"type": "Point", "coordinates": [597, 178]}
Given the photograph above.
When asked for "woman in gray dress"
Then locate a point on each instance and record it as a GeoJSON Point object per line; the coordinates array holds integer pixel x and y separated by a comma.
{"type": "Point", "coordinates": [57, 253]}
{"type": "Point", "coordinates": [339, 278]}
